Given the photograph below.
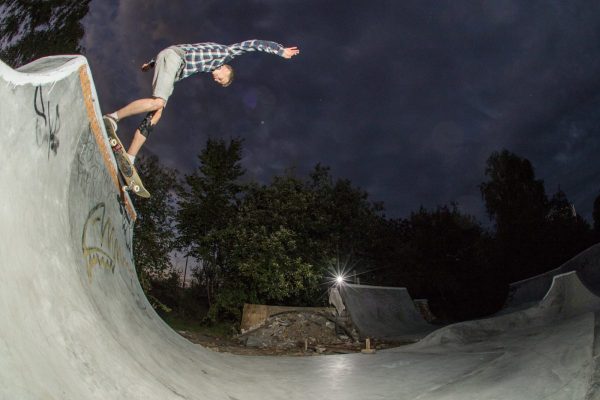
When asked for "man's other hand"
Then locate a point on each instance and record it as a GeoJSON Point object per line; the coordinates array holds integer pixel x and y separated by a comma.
{"type": "Point", "coordinates": [147, 66]}
{"type": "Point", "coordinates": [290, 52]}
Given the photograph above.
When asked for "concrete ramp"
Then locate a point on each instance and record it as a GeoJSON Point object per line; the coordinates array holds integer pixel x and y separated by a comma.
{"type": "Point", "coordinates": [567, 298]}
{"type": "Point", "coordinates": [381, 312]}
{"type": "Point", "coordinates": [524, 293]}
{"type": "Point", "coordinates": [75, 324]}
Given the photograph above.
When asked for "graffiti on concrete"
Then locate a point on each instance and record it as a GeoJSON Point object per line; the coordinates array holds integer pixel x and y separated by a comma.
{"type": "Point", "coordinates": [88, 169]}
{"type": "Point", "coordinates": [126, 223]}
{"type": "Point", "coordinates": [101, 245]}
{"type": "Point", "coordinates": [47, 126]}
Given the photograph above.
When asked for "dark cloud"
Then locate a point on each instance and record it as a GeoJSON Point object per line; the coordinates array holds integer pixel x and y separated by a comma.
{"type": "Point", "coordinates": [407, 99]}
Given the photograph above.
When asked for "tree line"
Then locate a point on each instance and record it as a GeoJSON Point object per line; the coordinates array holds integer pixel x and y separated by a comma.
{"type": "Point", "coordinates": [283, 242]}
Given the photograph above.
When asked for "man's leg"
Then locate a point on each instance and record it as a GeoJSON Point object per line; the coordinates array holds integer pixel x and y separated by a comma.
{"type": "Point", "coordinates": [153, 106]}
{"type": "Point", "coordinates": [140, 106]}
{"type": "Point", "coordinates": [139, 139]}
{"type": "Point", "coordinates": [168, 63]}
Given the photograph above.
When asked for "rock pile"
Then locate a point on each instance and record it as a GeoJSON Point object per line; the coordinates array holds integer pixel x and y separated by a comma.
{"type": "Point", "coordinates": [301, 330]}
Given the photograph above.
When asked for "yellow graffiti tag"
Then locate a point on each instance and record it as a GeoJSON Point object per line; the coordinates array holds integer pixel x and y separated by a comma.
{"type": "Point", "coordinates": [100, 243]}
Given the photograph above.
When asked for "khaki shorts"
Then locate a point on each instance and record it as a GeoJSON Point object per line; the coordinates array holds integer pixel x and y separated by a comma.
{"type": "Point", "coordinates": [168, 64]}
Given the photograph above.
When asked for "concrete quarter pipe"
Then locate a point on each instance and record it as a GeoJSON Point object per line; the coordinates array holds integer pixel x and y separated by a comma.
{"type": "Point", "coordinates": [74, 322]}
{"type": "Point", "coordinates": [523, 294]}
{"type": "Point", "coordinates": [384, 312]}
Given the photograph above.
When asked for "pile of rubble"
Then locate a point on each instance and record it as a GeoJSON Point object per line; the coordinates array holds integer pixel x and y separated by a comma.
{"type": "Point", "coordinates": [307, 331]}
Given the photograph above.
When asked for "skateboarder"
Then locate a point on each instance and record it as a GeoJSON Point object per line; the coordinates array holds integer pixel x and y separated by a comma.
{"type": "Point", "coordinates": [181, 61]}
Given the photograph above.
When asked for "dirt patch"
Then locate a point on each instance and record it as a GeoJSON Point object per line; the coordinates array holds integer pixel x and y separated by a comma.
{"type": "Point", "coordinates": [291, 334]}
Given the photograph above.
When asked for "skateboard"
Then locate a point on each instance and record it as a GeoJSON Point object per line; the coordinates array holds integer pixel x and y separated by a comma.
{"type": "Point", "coordinates": [130, 176]}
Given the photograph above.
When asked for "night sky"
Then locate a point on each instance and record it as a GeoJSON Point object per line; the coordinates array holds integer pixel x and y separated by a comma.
{"type": "Point", "coordinates": [407, 99]}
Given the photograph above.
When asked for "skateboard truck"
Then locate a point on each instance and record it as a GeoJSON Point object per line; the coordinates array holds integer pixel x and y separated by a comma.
{"type": "Point", "coordinates": [131, 187]}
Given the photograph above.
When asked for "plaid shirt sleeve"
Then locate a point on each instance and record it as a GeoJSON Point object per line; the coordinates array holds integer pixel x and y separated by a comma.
{"type": "Point", "coordinates": [206, 57]}
{"type": "Point", "coordinates": [238, 49]}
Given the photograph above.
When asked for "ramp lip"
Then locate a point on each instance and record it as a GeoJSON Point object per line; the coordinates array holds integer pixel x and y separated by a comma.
{"type": "Point", "coordinates": [357, 286]}
{"type": "Point", "coordinates": [16, 77]}
{"type": "Point", "coordinates": [559, 277]}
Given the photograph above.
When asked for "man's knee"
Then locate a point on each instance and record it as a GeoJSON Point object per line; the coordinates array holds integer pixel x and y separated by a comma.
{"type": "Point", "coordinates": [158, 103]}
{"type": "Point", "coordinates": [146, 126]}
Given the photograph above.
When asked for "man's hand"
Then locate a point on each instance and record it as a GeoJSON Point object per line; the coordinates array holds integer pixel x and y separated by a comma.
{"type": "Point", "coordinates": [149, 65]}
{"type": "Point", "coordinates": [290, 52]}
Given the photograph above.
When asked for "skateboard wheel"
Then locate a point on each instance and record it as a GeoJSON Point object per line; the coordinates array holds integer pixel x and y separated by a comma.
{"type": "Point", "coordinates": [125, 188]}
{"type": "Point", "coordinates": [113, 142]}
{"type": "Point", "coordinates": [136, 188]}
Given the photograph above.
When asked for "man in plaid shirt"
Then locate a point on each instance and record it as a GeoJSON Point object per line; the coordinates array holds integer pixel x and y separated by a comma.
{"type": "Point", "coordinates": [179, 62]}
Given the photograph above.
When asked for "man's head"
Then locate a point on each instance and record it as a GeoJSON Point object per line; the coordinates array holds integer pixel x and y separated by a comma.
{"type": "Point", "coordinates": [223, 75]}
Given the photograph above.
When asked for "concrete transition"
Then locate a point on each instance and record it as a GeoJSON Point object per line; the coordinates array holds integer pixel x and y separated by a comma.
{"type": "Point", "coordinates": [75, 323]}
{"type": "Point", "coordinates": [387, 313]}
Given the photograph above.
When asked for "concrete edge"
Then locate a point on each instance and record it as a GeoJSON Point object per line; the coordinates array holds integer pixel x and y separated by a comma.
{"type": "Point", "coordinates": [73, 64]}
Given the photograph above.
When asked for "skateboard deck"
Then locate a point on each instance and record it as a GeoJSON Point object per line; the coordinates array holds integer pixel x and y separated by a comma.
{"type": "Point", "coordinates": [128, 172]}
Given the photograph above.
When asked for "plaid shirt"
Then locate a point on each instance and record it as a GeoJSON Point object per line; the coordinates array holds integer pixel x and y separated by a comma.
{"type": "Point", "coordinates": [206, 57]}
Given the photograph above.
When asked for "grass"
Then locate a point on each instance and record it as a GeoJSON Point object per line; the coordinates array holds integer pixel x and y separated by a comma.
{"type": "Point", "coordinates": [218, 330]}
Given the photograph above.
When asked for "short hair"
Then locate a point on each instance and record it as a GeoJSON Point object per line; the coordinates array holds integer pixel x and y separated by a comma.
{"type": "Point", "coordinates": [231, 74]}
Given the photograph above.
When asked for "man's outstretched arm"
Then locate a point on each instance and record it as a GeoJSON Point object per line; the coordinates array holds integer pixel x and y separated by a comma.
{"type": "Point", "coordinates": [262, 45]}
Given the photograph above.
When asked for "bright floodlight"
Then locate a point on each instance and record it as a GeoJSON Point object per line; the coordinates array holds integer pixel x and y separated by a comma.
{"type": "Point", "coordinates": [339, 279]}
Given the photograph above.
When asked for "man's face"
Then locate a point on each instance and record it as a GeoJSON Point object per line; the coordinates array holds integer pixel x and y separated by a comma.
{"type": "Point", "coordinates": [221, 75]}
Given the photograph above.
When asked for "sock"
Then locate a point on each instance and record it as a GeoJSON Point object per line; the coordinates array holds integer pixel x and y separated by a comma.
{"type": "Point", "coordinates": [114, 115]}
{"type": "Point", "coordinates": [131, 158]}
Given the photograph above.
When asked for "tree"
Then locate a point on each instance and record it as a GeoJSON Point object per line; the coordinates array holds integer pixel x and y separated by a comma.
{"type": "Point", "coordinates": [517, 202]}
{"type": "Point", "coordinates": [269, 269]}
{"type": "Point", "coordinates": [154, 236]}
{"type": "Point", "coordinates": [208, 208]}
{"type": "Point", "coordinates": [389, 252]}
{"type": "Point", "coordinates": [596, 215]}
{"type": "Point", "coordinates": [533, 234]}
{"type": "Point", "coordinates": [280, 240]}
{"type": "Point", "coordinates": [566, 233]}
{"type": "Point", "coordinates": [41, 28]}
{"type": "Point", "coordinates": [560, 208]}
{"type": "Point", "coordinates": [444, 258]}
{"type": "Point", "coordinates": [350, 223]}
{"type": "Point", "coordinates": [513, 197]}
